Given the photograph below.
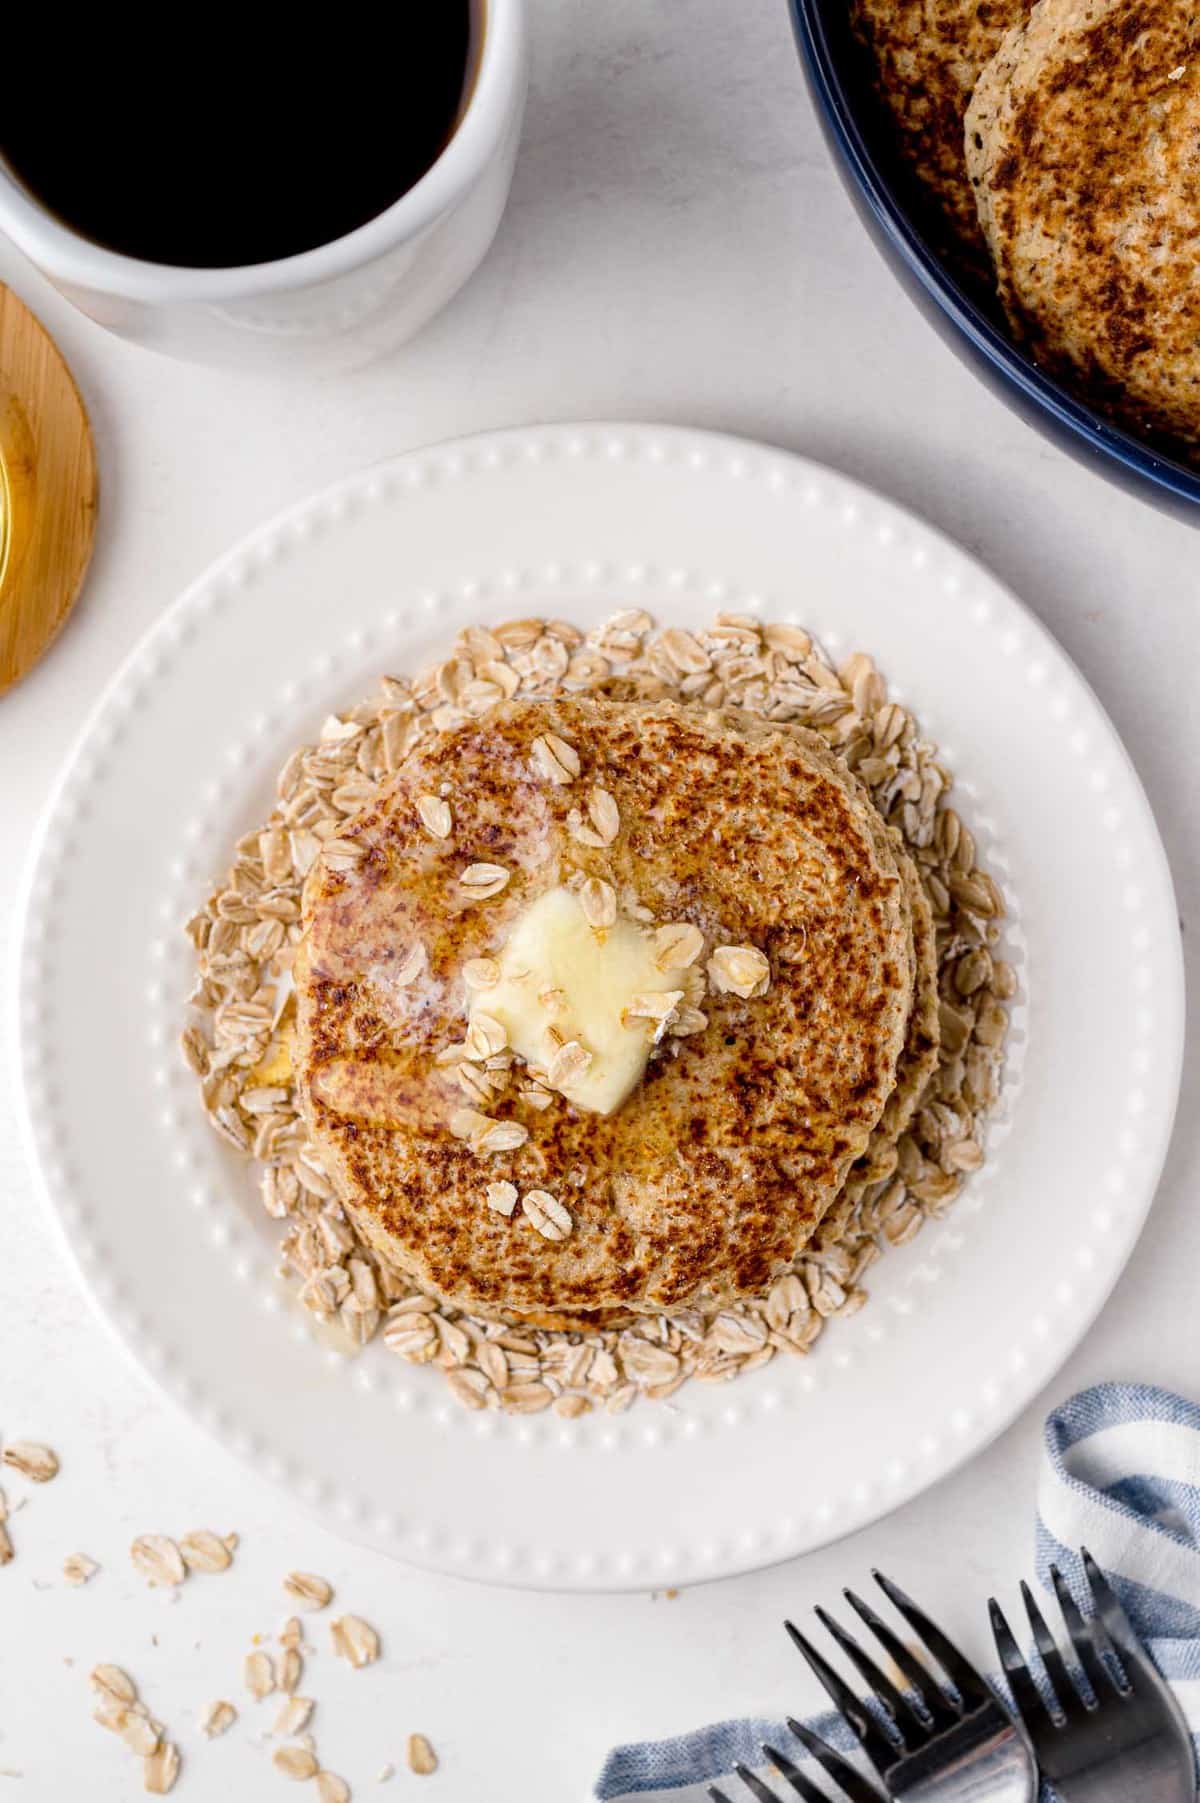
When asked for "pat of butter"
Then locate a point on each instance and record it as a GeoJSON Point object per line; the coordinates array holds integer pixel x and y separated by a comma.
{"type": "Point", "coordinates": [557, 972]}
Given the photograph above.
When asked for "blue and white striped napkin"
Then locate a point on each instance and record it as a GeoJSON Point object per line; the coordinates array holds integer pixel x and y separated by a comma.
{"type": "Point", "coordinates": [1121, 1476]}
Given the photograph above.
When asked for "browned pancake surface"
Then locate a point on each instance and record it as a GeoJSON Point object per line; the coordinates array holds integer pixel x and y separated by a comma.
{"type": "Point", "coordinates": [712, 1175]}
{"type": "Point", "coordinates": [927, 56]}
{"type": "Point", "coordinates": [1084, 145]}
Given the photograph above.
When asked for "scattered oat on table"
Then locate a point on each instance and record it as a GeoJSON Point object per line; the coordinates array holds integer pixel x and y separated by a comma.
{"type": "Point", "coordinates": [121, 1711]}
{"type": "Point", "coordinates": [32, 1460]}
{"type": "Point", "coordinates": [140, 1733]}
{"type": "Point", "coordinates": [332, 1789]}
{"type": "Point", "coordinates": [202, 1550]}
{"type": "Point", "coordinates": [112, 1684]}
{"type": "Point", "coordinates": [217, 1718]}
{"type": "Point", "coordinates": [78, 1568]}
{"type": "Point", "coordinates": [307, 1589]}
{"type": "Point", "coordinates": [295, 1762]}
{"type": "Point", "coordinates": [259, 1675]}
{"type": "Point", "coordinates": [161, 1768]}
{"type": "Point", "coordinates": [158, 1560]}
{"type": "Point", "coordinates": [355, 1640]}
{"type": "Point", "coordinates": [293, 1718]}
{"type": "Point", "coordinates": [421, 1756]}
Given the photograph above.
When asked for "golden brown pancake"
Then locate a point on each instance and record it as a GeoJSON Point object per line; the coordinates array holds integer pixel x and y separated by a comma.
{"type": "Point", "coordinates": [1083, 140]}
{"type": "Point", "coordinates": [927, 56]}
{"type": "Point", "coordinates": [918, 1062]}
{"type": "Point", "coordinates": [707, 1181]}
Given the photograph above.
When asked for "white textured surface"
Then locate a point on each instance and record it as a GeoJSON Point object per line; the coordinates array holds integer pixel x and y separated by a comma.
{"type": "Point", "coordinates": [677, 248]}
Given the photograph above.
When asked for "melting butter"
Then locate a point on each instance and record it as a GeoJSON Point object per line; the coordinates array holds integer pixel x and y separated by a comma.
{"type": "Point", "coordinates": [561, 980]}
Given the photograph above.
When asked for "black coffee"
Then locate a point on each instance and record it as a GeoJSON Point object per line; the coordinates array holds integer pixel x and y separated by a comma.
{"type": "Point", "coordinates": [211, 159]}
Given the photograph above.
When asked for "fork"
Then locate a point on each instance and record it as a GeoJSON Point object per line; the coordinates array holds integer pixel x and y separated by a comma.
{"type": "Point", "coordinates": [954, 1743]}
{"type": "Point", "coordinates": [1123, 1737]}
{"type": "Point", "coordinates": [852, 1784]}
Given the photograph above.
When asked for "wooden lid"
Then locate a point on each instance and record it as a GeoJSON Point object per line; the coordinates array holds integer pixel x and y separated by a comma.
{"type": "Point", "coordinates": [47, 490]}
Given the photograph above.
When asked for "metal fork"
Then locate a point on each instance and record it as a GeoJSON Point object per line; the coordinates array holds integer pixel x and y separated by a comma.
{"type": "Point", "coordinates": [954, 1744]}
{"type": "Point", "coordinates": [1127, 1738]}
{"type": "Point", "coordinates": [852, 1784]}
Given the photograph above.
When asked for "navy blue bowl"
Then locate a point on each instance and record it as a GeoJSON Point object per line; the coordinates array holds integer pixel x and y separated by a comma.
{"type": "Point", "coordinates": [857, 134]}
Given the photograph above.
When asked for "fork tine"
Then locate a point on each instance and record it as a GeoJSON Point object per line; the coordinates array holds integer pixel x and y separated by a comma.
{"type": "Point", "coordinates": [755, 1785]}
{"type": "Point", "coordinates": [941, 1712]}
{"type": "Point", "coordinates": [718, 1796]}
{"type": "Point", "coordinates": [1061, 1682]}
{"type": "Point", "coordinates": [887, 1694]}
{"type": "Point", "coordinates": [802, 1786]}
{"type": "Point", "coordinates": [1026, 1695]}
{"type": "Point", "coordinates": [962, 1674]}
{"type": "Point", "coordinates": [1097, 1674]}
{"type": "Point", "coordinates": [867, 1731]}
{"type": "Point", "coordinates": [1119, 1637]}
{"type": "Point", "coordinates": [1116, 1623]}
{"type": "Point", "coordinates": [840, 1770]}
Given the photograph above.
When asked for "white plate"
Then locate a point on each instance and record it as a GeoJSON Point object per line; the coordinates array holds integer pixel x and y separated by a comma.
{"type": "Point", "coordinates": [964, 1326]}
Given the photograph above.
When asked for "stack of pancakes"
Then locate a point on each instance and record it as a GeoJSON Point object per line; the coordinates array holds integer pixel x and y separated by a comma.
{"type": "Point", "coordinates": [1061, 146]}
{"type": "Point", "coordinates": [1083, 145]}
{"type": "Point", "coordinates": [744, 1138]}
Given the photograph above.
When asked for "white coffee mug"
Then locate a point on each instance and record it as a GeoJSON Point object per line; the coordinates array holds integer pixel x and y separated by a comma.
{"type": "Point", "coordinates": [342, 303]}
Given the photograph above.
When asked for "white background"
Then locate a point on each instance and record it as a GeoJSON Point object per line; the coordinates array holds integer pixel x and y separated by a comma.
{"type": "Point", "coordinates": [677, 248]}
